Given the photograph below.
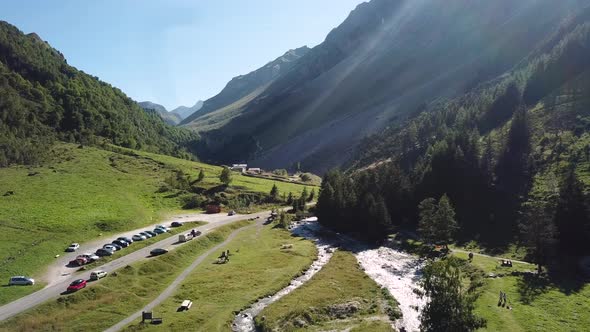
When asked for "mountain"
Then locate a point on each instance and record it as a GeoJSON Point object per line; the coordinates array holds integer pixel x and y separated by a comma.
{"type": "Point", "coordinates": [168, 117]}
{"type": "Point", "coordinates": [240, 90]}
{"type": "Point", "coordinates": [382, 64]}
{"type": "Point", "coordinates": [510, 153]}
{"type": "Point", "coordinates": [43, 99]}
{"type": "Point", "coordinates": [184, 112]}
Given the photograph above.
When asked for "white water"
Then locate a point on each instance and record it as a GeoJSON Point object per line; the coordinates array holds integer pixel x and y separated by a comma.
{"type": "Point", "coordinates": [244, 321]}
{"type": "Point", "coordinates": [397, 271]}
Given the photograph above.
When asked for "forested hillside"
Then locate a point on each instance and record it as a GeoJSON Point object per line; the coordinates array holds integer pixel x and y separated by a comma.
{"type": "Point", "coordinates": [512, 157]}
{"type": "Point", "coordinates": [43, 99]}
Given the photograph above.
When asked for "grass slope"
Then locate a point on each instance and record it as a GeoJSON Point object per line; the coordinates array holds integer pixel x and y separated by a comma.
{"type": "Point", "coordinates": [315, 306]}
{"type": "Point", "coordinates": [257, 268]}
{"type": "Point", "coordinates": [81, 193]}
{"type": "Point", "coordinates": [537, 304]}
{"type": "Point", "coordinates": [117, 296]}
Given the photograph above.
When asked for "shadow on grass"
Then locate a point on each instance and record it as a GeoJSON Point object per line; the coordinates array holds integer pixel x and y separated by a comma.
{"type": "Point", "coordinates": [531, 286]}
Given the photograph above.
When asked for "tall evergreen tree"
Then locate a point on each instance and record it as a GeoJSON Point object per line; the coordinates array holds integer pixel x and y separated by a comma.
{"type": "Point", "coordinates": [427, 219]}
{"type": "Point", "coordinates": [201, 176]}
{"type": "Point", "coordinates": [446, 223]}
{"type": "Point", "coordinates": [311, 196]}
{"type": "Point", "coordinates": [449, 307]}
{"type": "Point", "coordinates": [571, 217]}
{"type": "Point", "coordinates": [538, 230]}
{"type": "Point", "coordinates": [274, 193]}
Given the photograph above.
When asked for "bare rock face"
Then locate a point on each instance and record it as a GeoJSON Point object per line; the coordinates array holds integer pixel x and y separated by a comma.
{"type": "Point", "coordinates": [344, 310]}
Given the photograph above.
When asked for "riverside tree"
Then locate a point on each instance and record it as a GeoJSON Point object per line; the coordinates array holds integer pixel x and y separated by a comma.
{"type": "Point", "coordinates": [450, 306]}
{"type": "Point", "coordinates": [437, 221]}
{"type": "Point", "coordinates": [538, 230]}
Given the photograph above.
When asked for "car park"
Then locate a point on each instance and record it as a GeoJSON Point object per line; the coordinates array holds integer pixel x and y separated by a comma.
{"type": "Point", "coordinates": [104, 252]}
{"type": "Point", "coordinates": [138, 237]}
{"type": "Point", "coordinates": [159, 231]}
{"type": "Point", "coordinates": [73, 247]}
{"type": "Point", "coordinates": [175, 224]}
{"type": "Point", "coordinates": [126, 239]}
{"type": "Point", "coordinates": [122, 244]}
{"type": "Point", "coordinates": [77, 285]}
{"type": "Point", "coordinates": [98, 274]}
{"type": "Point", "coordinates": [152, 233]}
{"type": "Point", "coordinates": [89, 257]}
{"type": "Point", "coordinates": [158, 251]}
{"type": "Point", "coordinates": [21, 281]}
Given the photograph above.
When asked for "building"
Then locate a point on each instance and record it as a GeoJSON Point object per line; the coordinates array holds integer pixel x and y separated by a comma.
{"type": "Point", "coordinates": [242, 168]}
{"type": "Point", "coordinates": [254, 170]}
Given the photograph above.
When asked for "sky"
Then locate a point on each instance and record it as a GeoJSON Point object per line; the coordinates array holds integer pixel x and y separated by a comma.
{"type": "Point", "coordinates": [175, 52]}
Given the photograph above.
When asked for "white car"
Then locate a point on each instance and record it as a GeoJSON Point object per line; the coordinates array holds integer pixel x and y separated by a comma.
{"type": "Point", "coordinates": [98, 274]}
{"type": "Point", "coordinates": [21, 280]}
{"type": "Point", "coordinates": [164, 228]}
{"type": "Point", "coordinates": [109, 247]}
{"type": "Point", "coordinates": [73, 247]}
{"type": "Point", "coordinates": [138, 237]}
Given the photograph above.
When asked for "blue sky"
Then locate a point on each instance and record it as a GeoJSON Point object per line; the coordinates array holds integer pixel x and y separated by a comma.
{"type": "Point", "coordinates": [174, 52]}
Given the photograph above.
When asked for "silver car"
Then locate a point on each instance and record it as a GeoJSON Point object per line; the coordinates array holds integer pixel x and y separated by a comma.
{"type": "Point", "coordinates": [21, 280]}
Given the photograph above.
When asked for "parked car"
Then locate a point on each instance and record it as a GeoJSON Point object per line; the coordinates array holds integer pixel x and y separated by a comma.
{"type": "Point", "coordinates": [147, 235]}
{"type": "Point", "coordinates": [104, 252]}
{"type": "Point", "coordinates": [126, 239]}
{"type": "Point", "coordinates": [77, 285]}
{"type": "Point", "coordinates": [21, 281]}
{"type": "Point", "coordinates": [138, 237]}
{"type": "Point", "coordinates": [111, 247]}
{"type": "Point", "coordinates": [152, 233]}
{"type": "Point", "coordinates": [89, 257]}
{"type": "Point", "coordinates": [231, 213]}
{"type": "Point", "coordinates": [158, 251]}
{"type": "Point", "coordinates": [175, 224]}
{"type": "Point", "coordinates": [159, 231]}
{"type": "Point", "coordinates": [164, 228]}
{"type": "Point", "coordinates": [122, 244]}
{"type": "Point", "coordinates": [73, 247]}
{"type": "Point", "coordinates": [98, 274]}
{"type": "Point", "coordinates": [79, 261]}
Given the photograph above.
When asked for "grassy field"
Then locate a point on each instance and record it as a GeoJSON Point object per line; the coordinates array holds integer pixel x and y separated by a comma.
{"type": "Point", "coordinates": [117, 296]}
{"type": "Point", "coordinates": [81, 193]}
{"type": "Point", "coordinates": [536, 304]}
{"type": "Point", "coordinates": [257, 268]}
{"type": "Point", "coordinates": [339, 296]}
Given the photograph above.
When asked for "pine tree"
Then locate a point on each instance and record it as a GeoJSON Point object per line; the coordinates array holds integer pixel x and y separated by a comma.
{"type": "Point", "coordinates": [538, 230]}
{"type": "Point", "coordinates": [449, 306]}
{"type": "Point", "coordinates": [311, 196]}
{"type": "Point", "coordinates": [201, 176]}
{"type": "Point", "coordinates": [572, 220]}
{"type": "Point", "coordinates": [225, 177]}
{"type": "Point", "coordinates": [290, 198]}
{"type": "Point", "coordinates": [446, 223]}
{"type": "Point", "coordinates": [274, 193]}
{"type": "Point", "coordinates": [427, 222]}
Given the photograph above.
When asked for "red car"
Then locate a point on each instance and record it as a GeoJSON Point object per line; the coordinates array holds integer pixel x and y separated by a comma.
{"type": "Point", "coordinates": [77, 285]}
{"type": "Point", "coordinates": [78, 261]}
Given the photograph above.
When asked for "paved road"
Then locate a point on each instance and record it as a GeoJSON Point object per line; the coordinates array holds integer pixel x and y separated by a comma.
{"type": "Point", "coordinates": [58, 286]}
{"type": "Point", "coordinates": [169, 291]}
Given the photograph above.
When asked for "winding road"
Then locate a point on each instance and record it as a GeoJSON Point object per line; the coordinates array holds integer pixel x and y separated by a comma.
{"type": "Point", "coordinates": [59, 276]}
{"type": "Point", "coordinates": [169, 291]}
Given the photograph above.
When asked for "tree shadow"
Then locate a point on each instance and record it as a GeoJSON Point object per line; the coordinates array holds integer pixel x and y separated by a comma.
{"type": "Point", "coordinates": [530, 287]}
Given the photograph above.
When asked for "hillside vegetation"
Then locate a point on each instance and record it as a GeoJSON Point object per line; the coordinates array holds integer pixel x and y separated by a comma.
{"type": "Point", "coordinates": [81, 193]}
{"type": "Point", "coordinates": [43, 99]}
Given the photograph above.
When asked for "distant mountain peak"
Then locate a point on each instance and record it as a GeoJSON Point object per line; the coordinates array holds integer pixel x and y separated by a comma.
{"type": "Point", "coordinates": [184, 111]}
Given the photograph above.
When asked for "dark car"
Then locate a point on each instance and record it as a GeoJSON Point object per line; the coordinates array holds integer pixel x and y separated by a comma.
{"type": "Point", "coordinates": [176, 224]}
{"type": "Point", "coordinates": [104, 252]}
{"type": "Point", "coordinates": [157, 252]}
{"type": "Point", "coordinates": [152, 233]}
{"type": "Point", "coordinates": [126, 239]}
{"type": "Point", "coordinates": [77, 285]}
{"type": "Point", "coordinates": [121, 244]}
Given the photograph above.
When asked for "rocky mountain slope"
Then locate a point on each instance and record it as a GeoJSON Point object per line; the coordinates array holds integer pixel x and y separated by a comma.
{"type": "Point", "coordinates": [384, 63]}
{"type": "Point", "coordinates": [242, 89]}
{"type": "Point", "coordinates": [184, 112]}
{"type": "Point", "coordinates": [168, 117]}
